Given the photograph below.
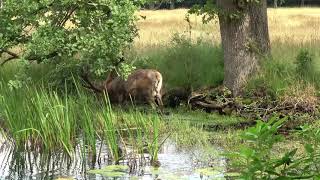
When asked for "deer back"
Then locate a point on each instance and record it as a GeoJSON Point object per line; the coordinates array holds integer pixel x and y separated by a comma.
{"type": "Point", "coordinates": [144, 85]}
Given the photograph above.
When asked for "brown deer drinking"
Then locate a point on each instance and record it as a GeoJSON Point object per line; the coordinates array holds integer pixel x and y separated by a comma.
{"type": "Point", "coordinates": [142, 86]}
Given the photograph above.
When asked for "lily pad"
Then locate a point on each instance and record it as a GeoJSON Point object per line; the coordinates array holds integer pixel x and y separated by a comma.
{"type": "Point", "coordinates": [232, 174]}
{"type": "Point", "coordinates": [209, 171]}
{"type": "Point", "coordinates": [111, 171]}
{"type": "Point", "coordinates": [160, 173]}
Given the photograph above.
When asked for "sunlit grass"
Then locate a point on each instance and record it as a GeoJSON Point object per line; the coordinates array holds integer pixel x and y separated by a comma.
{"type": "Point", "coordinates": [297, 25]}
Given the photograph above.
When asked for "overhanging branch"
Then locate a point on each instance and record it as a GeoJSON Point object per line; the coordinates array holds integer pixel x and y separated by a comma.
{"type": "Point", "coordinates": [30, 58]}
{"type": "Point", "coordinates": [12, 54]}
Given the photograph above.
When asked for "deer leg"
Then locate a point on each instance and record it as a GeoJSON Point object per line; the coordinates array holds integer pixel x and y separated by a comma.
{"type": "Point", "coordinates": [153, 104]}
{"type": "Point", "coordinates": [158, 101]}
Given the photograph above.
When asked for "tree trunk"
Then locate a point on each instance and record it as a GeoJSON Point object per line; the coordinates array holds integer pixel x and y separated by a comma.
{"type": "Point", "coordinates": [171, 4]}
{"type": "Point", "coordinates": [302, 3]}
{"type": "Point", "coordinates": [275, 3]}
{"type": "Point", "coordinates": [243, 41]}
{"type": "Point", "coordinates": [259, 27]}
{"type": "Point", "coordinates": [152, 5]}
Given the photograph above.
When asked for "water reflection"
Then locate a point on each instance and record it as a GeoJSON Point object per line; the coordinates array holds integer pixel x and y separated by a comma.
{"type": "Point", "coordinates": [176, 163]}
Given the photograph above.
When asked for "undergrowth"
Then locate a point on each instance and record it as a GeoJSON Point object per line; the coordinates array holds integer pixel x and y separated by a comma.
{"type": "Point", "coordinates": [185, 63]}
{"type": "Point", "coordinates": [283, 76]}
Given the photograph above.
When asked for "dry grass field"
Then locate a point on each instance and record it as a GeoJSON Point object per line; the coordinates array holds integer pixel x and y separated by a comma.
{"type": "Point", "coordinates": [294, 25]}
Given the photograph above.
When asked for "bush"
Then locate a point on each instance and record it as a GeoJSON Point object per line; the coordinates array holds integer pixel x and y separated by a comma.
{"type": "Point", "coordinates": [256, 159]}
{"type": "Point", "coordinates": [186, 63]}
{"type": "Point", "coordinates": [90, 34]}
{"type": "Point", "coordinates": [279, 75]}
{"type": "Point", "coordinates": [274, 79]}
{"type": "Point", "coordinates": [305, 68]}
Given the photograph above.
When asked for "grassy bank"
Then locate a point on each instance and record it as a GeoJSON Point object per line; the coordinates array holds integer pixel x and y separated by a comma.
{"type": "Point", "coordinates": [36, 116]}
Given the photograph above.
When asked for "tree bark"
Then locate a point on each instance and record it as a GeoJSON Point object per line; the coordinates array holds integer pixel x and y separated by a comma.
{"type": "Point", "coordinates": [302, 3]}
{"type": "Point", "coordinates": [259, 26]}
{"type": "Point", "coordinates": [152, 6]}
{"type": "Point", "coordinates": [172, 4]}
{"type": "Point", "coordinates": [275, 3]}
{"type": "Point", "coordinates": [244, 40]}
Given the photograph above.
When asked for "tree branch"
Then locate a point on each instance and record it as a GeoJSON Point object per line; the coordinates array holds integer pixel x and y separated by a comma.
{"type": "Point", "coordinates": [30, 58]}
{"type": "Point", "coordinates": [7, 60]}
{"type": "Point", "coordinates": [67, 16]}
{"type": "Point", "coordinates": [12, 54]}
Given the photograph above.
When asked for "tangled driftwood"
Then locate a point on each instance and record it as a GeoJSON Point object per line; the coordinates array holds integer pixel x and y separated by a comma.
{"type": "Point", "coordinates": [219, 99]}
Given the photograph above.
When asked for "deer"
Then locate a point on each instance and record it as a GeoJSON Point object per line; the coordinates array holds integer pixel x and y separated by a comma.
{"type": "Point", "coordinates": [141, 86]}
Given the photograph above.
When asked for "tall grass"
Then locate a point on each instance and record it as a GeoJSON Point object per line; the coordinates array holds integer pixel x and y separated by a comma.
{"type": "Point", "coordinates": [291, 67]}
{"type": "Point", "coordinates": [185, 63]}
{"type": "Point", "coordinates": [36, 118]}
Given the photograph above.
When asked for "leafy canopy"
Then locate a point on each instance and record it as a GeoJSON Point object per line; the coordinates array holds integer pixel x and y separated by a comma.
{"type": "Point", "coordinates": [68, 33]}
{"type": "Point", "coordinates": [210, 11]}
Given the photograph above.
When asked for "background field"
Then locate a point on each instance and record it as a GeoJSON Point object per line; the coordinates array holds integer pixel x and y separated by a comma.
{"type": "Point", "coordinates": [294, 25]}
{"type": "Point", "coordinates": [200, 62]}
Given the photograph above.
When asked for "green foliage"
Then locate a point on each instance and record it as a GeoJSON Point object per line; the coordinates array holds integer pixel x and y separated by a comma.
{"type": "Point", "coordinates": [275, 76]}
{"type": "Point", "coordinates": [36, 119]}
{"type": "Point", "coordinates": [286, 69]}
{"type": "Point", "coordinates": [305, 68]}
{"type": "Point", "coordinates": [186, 63]}
{"type": "Point", "coordinates": [76, 34]}
{"type": "Point", "coordinates": [256, 160]}
{"type": "Point", "coordinates": [210, 11]}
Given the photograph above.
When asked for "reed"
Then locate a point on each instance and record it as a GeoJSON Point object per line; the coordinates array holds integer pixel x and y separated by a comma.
{"type": "Point", "coordinates": [35, 118]}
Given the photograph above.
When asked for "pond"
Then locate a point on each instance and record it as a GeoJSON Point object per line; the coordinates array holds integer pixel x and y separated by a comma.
{"type": "Point", "coordinates": [175, 162]}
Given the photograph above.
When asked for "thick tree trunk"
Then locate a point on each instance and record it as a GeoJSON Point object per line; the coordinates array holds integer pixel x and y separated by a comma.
{"type": "Point", "coordinates": [172, 5]}
{"type": "Point", "coordinates": [152, 5]}
{"type": "Point", "coordinates": [243, 41]}
{"type": "Point", "coordinates": [302, 3]}
{"type": "Point", "coordinates": [275, 3]}
{"type": "Point", "coordinates": [259, 27]}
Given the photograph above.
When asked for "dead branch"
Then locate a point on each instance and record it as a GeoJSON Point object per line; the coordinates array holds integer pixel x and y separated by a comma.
{"type": "Point", "coordinates": [12, 54]}
{"type": "Point", "coordinates": [213, 106]}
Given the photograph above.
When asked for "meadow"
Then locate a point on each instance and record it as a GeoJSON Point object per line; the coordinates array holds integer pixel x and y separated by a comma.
{"type": "Point", "coordinates": [291, 30]}
{"type": "Point", "coordinates": [36, 116]}
{"type": "Point", "coordinates": [285, 24]}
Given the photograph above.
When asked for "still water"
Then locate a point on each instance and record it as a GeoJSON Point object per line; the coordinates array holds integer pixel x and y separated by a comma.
{"type": "Point", "coordinates": [175, 163]}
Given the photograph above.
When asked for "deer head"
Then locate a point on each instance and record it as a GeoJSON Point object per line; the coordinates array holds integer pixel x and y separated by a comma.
{"type": "Point", "coordinates": [142, 86]}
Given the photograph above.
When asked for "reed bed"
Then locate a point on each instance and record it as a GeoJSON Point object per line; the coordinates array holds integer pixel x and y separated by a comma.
{"type": "Point", "coordinates": [35, 118]}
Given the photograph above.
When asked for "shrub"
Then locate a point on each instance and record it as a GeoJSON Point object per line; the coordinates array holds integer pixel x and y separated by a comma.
{"type": "Point", "coordinates": [273, 79]}
{"type": "Point", "coordinates": [306, 68]}
{"type": "Point", "coordinates": [256, 160]}
{"type": "Point", "coordinates": [279, 75]}
{"type": "Point", "coordinates": [187, 64]}
{"type": "Point", "coordinates": [90, 34]}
